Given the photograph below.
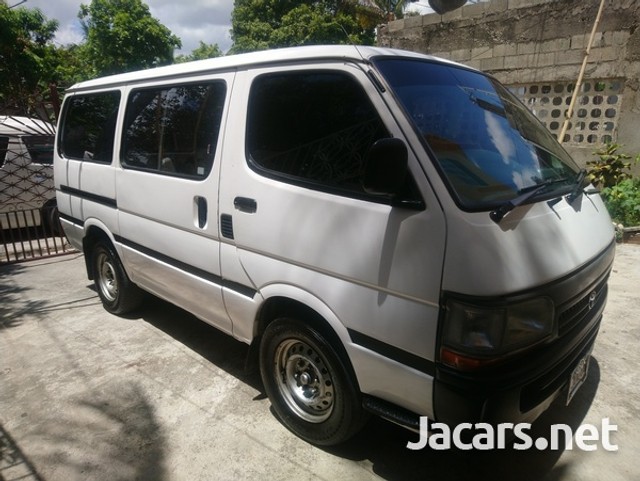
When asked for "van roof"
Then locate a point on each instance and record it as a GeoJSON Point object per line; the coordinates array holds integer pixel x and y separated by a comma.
{"type": "Point", "coordinates": [351, 53]}
{"type": "Point", "coordinates": [17, 125]}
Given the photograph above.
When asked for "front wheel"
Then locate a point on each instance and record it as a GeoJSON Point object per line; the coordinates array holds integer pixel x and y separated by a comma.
{"type": "Point", "coordinates": [309, 387]}
{"type": "Point", "coordinates": [118, 294]}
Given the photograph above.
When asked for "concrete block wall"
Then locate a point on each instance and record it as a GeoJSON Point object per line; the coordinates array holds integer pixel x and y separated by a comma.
{"type": "Point", "coordinates": [525, 42]}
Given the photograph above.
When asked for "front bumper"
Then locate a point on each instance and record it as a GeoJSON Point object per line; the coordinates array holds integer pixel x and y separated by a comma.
{"type": "Point", "coordinates": [521, 388]}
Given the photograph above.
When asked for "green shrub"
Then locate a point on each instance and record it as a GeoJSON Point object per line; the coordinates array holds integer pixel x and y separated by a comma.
{"type": "Point", "coordinates": [611, 167]}
{"type": "Point", "coordinates": [623, 202]}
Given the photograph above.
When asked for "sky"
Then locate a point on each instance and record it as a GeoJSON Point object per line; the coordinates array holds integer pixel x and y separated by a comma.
{"type": "Point", "coordinates": [191, 20]}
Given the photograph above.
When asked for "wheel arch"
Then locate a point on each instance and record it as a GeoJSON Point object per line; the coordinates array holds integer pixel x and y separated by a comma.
{"type": "Point", "coordinates": [292, 302]}
{"type": "Point", "coordinates": [95, 231]}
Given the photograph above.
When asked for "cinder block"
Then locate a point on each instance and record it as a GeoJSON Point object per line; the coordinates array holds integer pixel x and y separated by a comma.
{"type": "Point", "coordinates": [527, 48]}
{"type": "Point", "coordinates": [452, 16]}
{"type": "Point", "coordinates": [514, 4]}
{"type": "Point", "coordinates": [395, 26]}
{"type": "Point", "coordinates": [621, 37]}
{"type": "Point", "coordinates": [598, 40]}
{"type": "Point", "coordinates": [519, 61]}
{"type": "Point", "coordinates": [505, 50]}
{"type": "Point", "coordinates": [557, 45]}
{"type": "Point", "coordinates": [495, 63]}
{"type": "Point", "coordinates": [473, 64]}
{"type": "Point", "coordinates": [579, 41]}
{"type": "Point", "coordinates": [607, 54]}
{"type": "Point", "coordinates": [460, 55]}
{"type": "Point", "coordinates": [569, 57]}
{"type": "Point", "coordinates": [544, 59]}
{"type": "Point", "coordinates": [413, 21]}
{"type": "Point", "coordinates": [495, 6]}
{"type": "Point", "coordinates": [480, 53]}
{"type": "Point", "coordinates": [474, 10]}
{"type": "Point", "coordinates": [431, 19]}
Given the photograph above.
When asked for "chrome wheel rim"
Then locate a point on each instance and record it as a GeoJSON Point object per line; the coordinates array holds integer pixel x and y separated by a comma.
{"type": "Point", "coordinates": [304, 380]}
{"type": "Point", "coordinates": [107, 281]}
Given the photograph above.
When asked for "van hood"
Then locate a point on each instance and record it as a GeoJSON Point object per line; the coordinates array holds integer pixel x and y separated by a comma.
{"type": "Point", "coordinates": [533, 245]}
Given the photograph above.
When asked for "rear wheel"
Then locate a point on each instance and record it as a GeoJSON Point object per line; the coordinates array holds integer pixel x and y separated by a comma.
{"type": "Point", "coordinates": [310, 389]}
{"type": "Point", "coordinates": [51, 218]}
{"type": "Point", "coordinates": [117, 293]}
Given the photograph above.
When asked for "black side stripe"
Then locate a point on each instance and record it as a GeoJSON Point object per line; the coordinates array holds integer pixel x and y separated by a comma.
{"type": "Point", "coordinates": [399, 355]}
{"type": "Point", "coordinates": [99, 199]}
{"type": "Point", "coordinates": [70, 219]}
{"type": "Point", "coordinates": [208, 276]}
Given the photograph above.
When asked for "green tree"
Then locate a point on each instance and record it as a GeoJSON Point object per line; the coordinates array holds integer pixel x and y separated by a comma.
{"type": "Point", "coordinates": [203, 51]}
{"type": "Point", "coordinates": [28, 58]}
{"type": "Point", "coordinates": [121, 36]}
{"type": "Point", "coordinates": [390, 9]}
{"type": "Point", "coordinates": [263, 24]}
{"type": "Point", "coordinates": [73, 65]}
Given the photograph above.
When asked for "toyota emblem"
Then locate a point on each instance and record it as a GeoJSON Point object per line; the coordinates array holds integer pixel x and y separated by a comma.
{"type": "Point", "coordinates": [592, 300]}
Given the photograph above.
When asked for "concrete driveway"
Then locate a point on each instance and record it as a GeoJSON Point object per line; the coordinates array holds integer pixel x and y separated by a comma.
{"type": "Point", "coordinates": [162, 396]}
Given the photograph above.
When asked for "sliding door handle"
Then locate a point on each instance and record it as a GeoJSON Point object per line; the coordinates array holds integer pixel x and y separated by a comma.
{"type": "Point", "coordinates": [201, 211]}
{"type": "Point", "coordinates": [244, 204]}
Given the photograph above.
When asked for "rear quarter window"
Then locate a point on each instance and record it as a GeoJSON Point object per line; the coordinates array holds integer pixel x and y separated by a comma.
{"type": "Point", "coordinates": [89, 126]}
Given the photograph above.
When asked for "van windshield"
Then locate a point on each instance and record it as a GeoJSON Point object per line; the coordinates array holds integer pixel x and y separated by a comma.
{"type": "Point", "coordinates": [488, 146]}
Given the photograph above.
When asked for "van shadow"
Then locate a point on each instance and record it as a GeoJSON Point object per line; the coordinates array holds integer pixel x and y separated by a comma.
{"type": "Point", "coordinates": [210, 343]}
{"type": "Point", "coordinates": [382, 443]}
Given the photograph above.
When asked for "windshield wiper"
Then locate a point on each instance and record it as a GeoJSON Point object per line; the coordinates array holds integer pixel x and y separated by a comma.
{"type": "Point", "coordinates": [579, 186]}
{"type": "Point", "coordinates": [524, 195]}
{"type": "Point", "coordinates": [491, 107]}
{"type": "Point", "coordinates": [484, 104]}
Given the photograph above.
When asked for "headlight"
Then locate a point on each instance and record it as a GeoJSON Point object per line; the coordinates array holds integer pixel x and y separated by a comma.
{"type": "Point", "coordinates": [474, 335]}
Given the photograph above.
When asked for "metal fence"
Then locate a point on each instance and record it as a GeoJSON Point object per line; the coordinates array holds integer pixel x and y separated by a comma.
{"type": "Point", "coordinates": [29, 223]}
{"type": "Point", "coordinates": [42, 239]}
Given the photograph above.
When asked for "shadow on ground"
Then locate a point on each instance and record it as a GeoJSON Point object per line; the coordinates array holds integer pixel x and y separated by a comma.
{"type": "Point", "coordinates": [115, 428]}
{"type": "Point", "coordinates": [384, 444]}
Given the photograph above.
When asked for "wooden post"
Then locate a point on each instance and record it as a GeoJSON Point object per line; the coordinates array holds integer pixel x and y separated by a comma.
{"type": "Point", "coordinates": [569, 113]}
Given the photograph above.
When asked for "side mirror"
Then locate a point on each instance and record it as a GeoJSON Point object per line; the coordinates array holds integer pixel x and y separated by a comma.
{"type": "Point", "coordinates": [386, 167]}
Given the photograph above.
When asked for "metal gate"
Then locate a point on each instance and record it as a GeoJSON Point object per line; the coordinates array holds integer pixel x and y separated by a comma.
{"type": "Point", "coordinates": [29, 224]}
{"type": "Point", "coordinates": [25, 243]}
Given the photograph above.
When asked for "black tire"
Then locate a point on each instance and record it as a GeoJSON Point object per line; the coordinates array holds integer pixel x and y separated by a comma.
{"type": "Point", "coordinates": [51, 219]}
{"type": "Point", "coordinates": [308, 385]}
{"type": "Point", "coordinates": [118, 294]}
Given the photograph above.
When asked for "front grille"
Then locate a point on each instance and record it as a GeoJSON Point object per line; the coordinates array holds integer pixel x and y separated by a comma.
{"type": "Point", "coordinates": [580, 313]}
{"type": "Point", "coordinates": [571, 321]}
{"type": "Point", "coordinates": [553, 380]}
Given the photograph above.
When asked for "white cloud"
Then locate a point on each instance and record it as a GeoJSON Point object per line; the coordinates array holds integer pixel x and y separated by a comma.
{"type": "Point", "coordinates": [198, 20]}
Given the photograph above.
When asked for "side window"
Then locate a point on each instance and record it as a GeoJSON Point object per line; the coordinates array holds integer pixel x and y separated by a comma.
{"type": "Point", "coordinates": [4, 147]}
{"type": "Point", "coordinates": [312, 127]}
{"type": "Point", "coordinates": [173, 129]}
{"type": "Point", "coordinates": [40, 148]}
{"type": "Point", "coordinates": [89, 127]}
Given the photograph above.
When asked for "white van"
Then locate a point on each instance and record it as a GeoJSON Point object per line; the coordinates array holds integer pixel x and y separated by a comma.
{"type": "Point", "coordinates": [26, 171]}
{"type": "Point", "coordinates": [389, 232]}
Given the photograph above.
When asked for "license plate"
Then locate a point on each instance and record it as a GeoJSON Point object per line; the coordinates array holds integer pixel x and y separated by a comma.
{"type": "Point", "coordinates": [578, 377]}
